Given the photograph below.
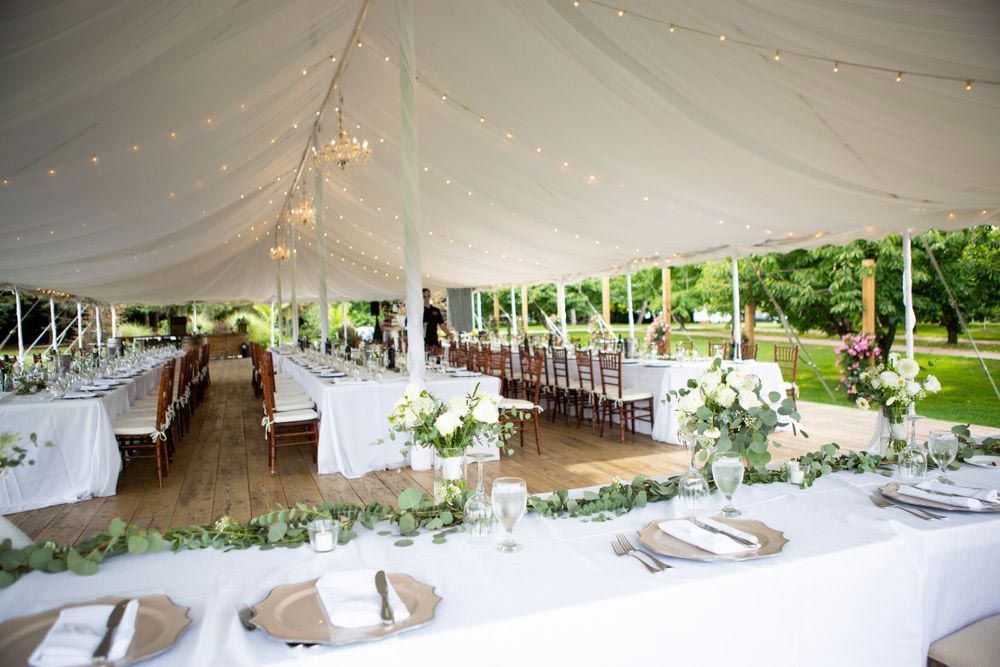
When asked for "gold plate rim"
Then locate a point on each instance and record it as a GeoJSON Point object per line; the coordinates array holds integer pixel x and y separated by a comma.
{"type": "Point", "coordinates": [772, 542]}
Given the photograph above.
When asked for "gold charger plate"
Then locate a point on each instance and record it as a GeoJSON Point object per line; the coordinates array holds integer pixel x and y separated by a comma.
{"type": "Point", "coordinates": [293, 613]}
{"type": "Point", "coordinates": [891, 491]}
{"type": "Point", "coordinates": [158, 625]}
{"type": "Point", "coordinates": [771, 542]}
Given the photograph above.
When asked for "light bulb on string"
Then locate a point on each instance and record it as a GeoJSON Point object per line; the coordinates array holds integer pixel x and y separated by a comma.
{"type": "Point", "coordinates": [836, 67]}
{"type": "Point", "coordinates": [969, 84]}
{"type": "Point", "coordinates": [899, 77]}
{"type": "Point", "coordinates": [777, 54]}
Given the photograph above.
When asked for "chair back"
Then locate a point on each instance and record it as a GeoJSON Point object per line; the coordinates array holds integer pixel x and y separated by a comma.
{"type": "Point", "coordinates": [787, 358]}
{"type": "Point", "coordinates": [267, 382]}
{"type": "Point", "coordinates": [164, 394]}
{"type": "Point", "coordinates": [611, 373]}
{"type": "Point", "coordinates": [748, 351]}
{"type": "Point", "coordinates": [719, 350]}
{"type": "Point", "coordinates": [531, 377]}
{"type": "Point", "coordinates": [544, 370]}
{"type": "Point", "coordinates": [560, 367]}
{"type": "Point", "coordinates": [585, 369]}
{"type": "Point", "coordinates": [686, 346]}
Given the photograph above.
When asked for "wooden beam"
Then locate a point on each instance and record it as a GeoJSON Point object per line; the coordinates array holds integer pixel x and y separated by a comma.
{"type": "Point", "coordinates": [524, 308]}
{"type": "Point", "coordinates": [749, 311]}
{"type": "Point", "coordinates": [606, 299]}
{"type": "Point", "coordinates": [666, 294]}
{"type": "Point", "coordinates": [868, 296]}
{"type": "Point", "coordinates": [496, 310]}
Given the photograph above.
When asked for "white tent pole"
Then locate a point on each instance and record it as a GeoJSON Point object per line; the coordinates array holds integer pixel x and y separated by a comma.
{"type": "Point", "coordinates": [79, 324]}
{"type": "Point", "coordinates": [631, 315]}
{"type": "Point", "coordinates": [194, 325]}
{"type": "Point", "coordinates": [513, 314]}
{"type": "Point", "coordinates": [55, 329]}
{"type": "Point", "coordinates": [344, 308]}
{"type": "Point", "coordinates": [909, 316]}
{"type": "Point", "coordinates": [479, 309]}
{"type": "Point", "coordinates": [295, 300]}
{"type": "Point", "coordinates": [324, 305]}
{"type": "Point", "coordinates": [272, 322]}
{"type": "Point", "coordinates": [281, 316]}
{"type": "Point", "coordinates": [20, 331]}
{"type": "Point", "coordinates": [97, 317]}
{"type": "Point", "coordinates": [737, 339]}
{"type": "Point", "coordinates": [114, 321]}
{"type": "Point", "coordinates": [410, 175]}
{"type": "Point", "coordinates": [561, 310]}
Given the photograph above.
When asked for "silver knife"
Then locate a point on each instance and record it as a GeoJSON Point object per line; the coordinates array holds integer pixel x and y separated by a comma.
{"type": "Point", "coordinates": [114, 619]}
{"type": "Point", "coordinates": [712, 529]}
{"type": "Point", "coordinates": [383, 589]}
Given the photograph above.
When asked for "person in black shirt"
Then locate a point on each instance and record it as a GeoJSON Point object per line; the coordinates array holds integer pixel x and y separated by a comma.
{"type": "Point", "coordinates": [432, 320]}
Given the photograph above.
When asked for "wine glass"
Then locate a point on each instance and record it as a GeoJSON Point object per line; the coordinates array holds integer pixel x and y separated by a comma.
{"type": "Point", "coordinates": [510, 499]}
{"type": "Point", "coordinates": [913, 459]}
{"type": "Point", "coordinates": [943, 447]}
{"type": "Point", "coordinates": [477, 511]}
{"type": "Point", "coordinates": [692, 488]}
{"type": "Point", "coordinates": [727, 470]}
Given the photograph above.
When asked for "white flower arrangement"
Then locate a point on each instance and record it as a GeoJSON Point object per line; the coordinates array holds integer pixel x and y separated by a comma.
{"type": "Point", "coordinates": [894, 387]}
{"type": "Point", "coordinates": [725, 411]}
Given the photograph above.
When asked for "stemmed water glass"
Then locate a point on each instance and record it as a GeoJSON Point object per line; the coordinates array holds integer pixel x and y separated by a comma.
{"type": "Point", "coordinates": [692, 488]}
{"type": "Point", "coordinates": [477, 511]}
{"type": "Point", "coordinates": [913, 459]}
{"type": "Point", "coordinates": [943, 447]}
{"type": "Point", "coordinates": [510, 499]}
{"type": "Point", "coordinates": [727, 470]}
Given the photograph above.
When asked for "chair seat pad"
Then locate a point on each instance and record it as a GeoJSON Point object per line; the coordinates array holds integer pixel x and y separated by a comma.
{"type": "Point", "coordinates": [138, 426]}
{"type": "Point", "coordinates": [295, 416]}
{"type": "Point", "coordinates": [629, 394]}
{"type": "Point", "coordinates": [516, 404]}
{"type": "Point", "coordinates": [973, 645]}
{"type": "Point", "coordinates": [290, 404]}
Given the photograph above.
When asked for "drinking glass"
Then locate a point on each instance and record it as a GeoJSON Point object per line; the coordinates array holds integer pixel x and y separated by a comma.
{"type": "Point", "coordinates": [510, 499]}
{"type": "Point", "coordinates": [913, 459]}
{"type": "Point", "coordinates": [692, 488]}
{"type": "Point", "coordinates": [477, 511]}
{"type": "Point", "coordinates": [943, 447]}
{"type": "Point", "coordinates": [727, 470]}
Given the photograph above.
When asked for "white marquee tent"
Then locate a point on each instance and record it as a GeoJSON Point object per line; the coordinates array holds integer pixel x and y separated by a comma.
{"type": "Point", "coordinates": [146, 149]}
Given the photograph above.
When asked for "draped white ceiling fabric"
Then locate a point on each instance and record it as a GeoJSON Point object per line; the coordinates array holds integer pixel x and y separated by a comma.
{"type": "Point", "coordinates": [146, 148]}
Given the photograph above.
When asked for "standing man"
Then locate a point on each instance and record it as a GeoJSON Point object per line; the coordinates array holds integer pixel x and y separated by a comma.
{"type": "Point", "coordinates": [432, 320]}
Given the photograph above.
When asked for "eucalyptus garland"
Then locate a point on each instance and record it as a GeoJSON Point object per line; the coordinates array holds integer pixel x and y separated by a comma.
{"type": "Point", "coordinates": [416, 512]}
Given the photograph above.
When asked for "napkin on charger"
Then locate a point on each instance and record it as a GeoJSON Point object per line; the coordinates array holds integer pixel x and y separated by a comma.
{"type": "Point", "coordinates": [350, 599]}
{"type": "Point", "coordinates": [721, 545]}
{"type": "Point", "coordinates": [959, 496]}
{"type": "Point", "coordinates": [75, 635]}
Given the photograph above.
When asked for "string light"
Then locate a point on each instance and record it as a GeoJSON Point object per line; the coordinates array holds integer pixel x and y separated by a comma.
{"type": "Point", "coordinates": [969, 84]}
{"type": "Point", "coordinates": [836, 67]}
{"type": "Point", "coordinates": [899, 77]}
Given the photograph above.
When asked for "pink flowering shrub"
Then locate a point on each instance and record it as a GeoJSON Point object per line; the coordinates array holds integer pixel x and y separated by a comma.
{"type": "Point", "coordinates": [855, 354]}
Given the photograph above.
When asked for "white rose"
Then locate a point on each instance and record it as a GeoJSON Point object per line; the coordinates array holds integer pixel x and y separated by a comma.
{"type": "Point", "coordinates": [459, 406]}
{"type": "Point", "coordinates": [863, 403]}
{"type": "Point", "coordinates": [410, 418]}
{"type": "Point", "coordinates": [876, 383]}
{"type": "Point", "coordinates": [932, 384]}
{"type": "Point", "coordinates": [709, 381]}
{"type": "Point", "coordinates": [735, 380]}
{"type": "Point", "coordinates": [725, 397]}
{"type": "Point", "coordinates": [486, 411]}
{"type": "Point", "coordinates": [424, 405]}
{"type": "Point", "coordinates": [913, 388]}
{"type": "Point", "coordinates": [889, 378]}
{"type": "Point", "coordinates": [908, 368]}
{"type": "Point", "coordinates": [712, 433]}
{"type": "Point", "coordinates": [748, 399]}
{"type": "Point", "coordinates": [447, 423]}
{"type": "Point", "coordinates": [892, 399]}
{"type": "Point", "coordinates": [690, 402]}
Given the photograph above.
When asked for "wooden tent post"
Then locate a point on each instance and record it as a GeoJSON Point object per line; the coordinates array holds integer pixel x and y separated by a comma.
{"type": "Point", "coordinates": [868, 296]}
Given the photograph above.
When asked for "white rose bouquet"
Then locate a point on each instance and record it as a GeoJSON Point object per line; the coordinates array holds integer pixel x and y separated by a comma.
{"type": "Point", "coordinates": [893, 387]}
{"type": "Point", "coordinates": [724, 410]}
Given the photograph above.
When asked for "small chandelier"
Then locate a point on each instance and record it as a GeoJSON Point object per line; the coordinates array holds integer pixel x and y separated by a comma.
{"type": "Point", "coordinates": [280, 252]}
{"type": "Point", "coordinates": [305, 212]}
{"type": "Point", "coordinates": [342, 151]}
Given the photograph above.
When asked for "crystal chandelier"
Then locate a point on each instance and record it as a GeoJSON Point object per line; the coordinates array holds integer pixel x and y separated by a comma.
{"type": "Point", "coordinates": [280, 252]}
{"type": "Point", "coordinates": [342, 151]}
{"type": "Point", "coordinates": [304, 212]}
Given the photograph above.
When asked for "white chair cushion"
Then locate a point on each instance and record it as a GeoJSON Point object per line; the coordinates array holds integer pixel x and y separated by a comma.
{"type": "Point", "coordinates": [629, 394]}
{"type": "Point", "coordinates": [972, 646]}
{"type": "Point", "coordinates": [287, 405]}
{"type": "Point", "coordinates": [516, 404]}
{"type": "Point", "coordinates": [295, 416]}
{"type": "Point", "coordinates": [138, 426]}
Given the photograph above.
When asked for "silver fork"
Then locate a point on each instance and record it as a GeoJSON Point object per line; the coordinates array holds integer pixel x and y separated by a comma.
{"type": "Point", "coordinates": [881, 502]}
{"type": "Point", "coordinates": [246, 615]}
{"type": "Point", "coordinates": [628, 544]}
{"type": "Point", "coordinates": [621, 550]}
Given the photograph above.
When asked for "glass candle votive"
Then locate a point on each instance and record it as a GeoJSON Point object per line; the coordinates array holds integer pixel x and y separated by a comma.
{"type": "Point", "coordinates": [323, 534]}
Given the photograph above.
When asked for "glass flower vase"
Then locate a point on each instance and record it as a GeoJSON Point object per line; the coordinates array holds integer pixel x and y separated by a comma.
{"type": "Point", "coordinates": [449, 475]}
{"type": "Point", "coordinates": [893, 435]}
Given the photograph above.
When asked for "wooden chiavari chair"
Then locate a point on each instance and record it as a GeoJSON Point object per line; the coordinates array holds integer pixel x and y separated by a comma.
{"type": "Point", "coordinates": [787, 358]}
{"type": "Point", "coordinates": [528, 406]}
{"type": "Point", "coordinates": [292, 428]}
{"type": "Point", "coordinates": [142, 437]}
{"type": "Point", "coordinates": [588, 391]}
{"type": "Point", "coordinates": [748, 351]}
{"type": "Point", "coordinates": [567, 389]}
{"type": "Point", "coordinates": [686, 347]}
{"type": "Point", "coordinates": [631, 404]}
{"type": "Point", "coordinates": [719, 350]}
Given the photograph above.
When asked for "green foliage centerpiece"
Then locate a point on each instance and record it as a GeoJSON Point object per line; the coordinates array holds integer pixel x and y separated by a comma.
{"type": "Point", "coordinates": [448, 428]}
{"type": "Point", "coordinates": [727, 412]}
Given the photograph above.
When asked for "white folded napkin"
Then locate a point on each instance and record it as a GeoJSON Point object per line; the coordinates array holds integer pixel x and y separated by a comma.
{"type": "Point", "coordinates": [959, 496]}
{"type": "Point", "coordinates": [351, 601]}
{"type": "Point", "coordinates": [986, 495]}
{"type": "Point", "coordinates": [721, 545]}
{"type": "Point", "coordinates": [75, 635]}
{"type": "Point", "coordinates": [954, 501]}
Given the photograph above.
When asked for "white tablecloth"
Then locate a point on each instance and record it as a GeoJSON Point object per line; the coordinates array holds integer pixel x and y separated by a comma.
{"type": "Point", "coordinates": [353, 416]}
{"type": "Point", "coordinates": [83, 461]}
{"type": "Point", "coordinates": [659, 380]}
{"type": "Point", "coordinates": [855, 585]}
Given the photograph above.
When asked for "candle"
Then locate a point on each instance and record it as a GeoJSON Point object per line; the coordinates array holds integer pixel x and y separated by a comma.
{"type": "Point", "coordinates": [324, 541]}
{"type": "Point", "coordinates": [795, 473]}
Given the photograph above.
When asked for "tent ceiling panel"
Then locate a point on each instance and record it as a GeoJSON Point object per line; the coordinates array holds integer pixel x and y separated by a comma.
{"type": "Point", "coordinates": [571, 141]}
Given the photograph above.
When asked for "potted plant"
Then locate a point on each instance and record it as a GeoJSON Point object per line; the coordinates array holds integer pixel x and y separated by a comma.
{"type": "Point", "coordinates": [242, 324]}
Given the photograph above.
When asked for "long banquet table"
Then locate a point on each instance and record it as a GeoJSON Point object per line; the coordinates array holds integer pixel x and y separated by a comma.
{"type": "Point", "coordinates": [84, 461]}
{"type": "Point", "coordinates": [855, 585]}
{"type": "Point", "coordinates": [354, 415]}
{"type": "Point", "coordinates": [660, 377]}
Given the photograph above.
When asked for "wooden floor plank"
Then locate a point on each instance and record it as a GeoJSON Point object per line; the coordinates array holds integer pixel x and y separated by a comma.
{"type": "Point", "coordinates": [221, 467]}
